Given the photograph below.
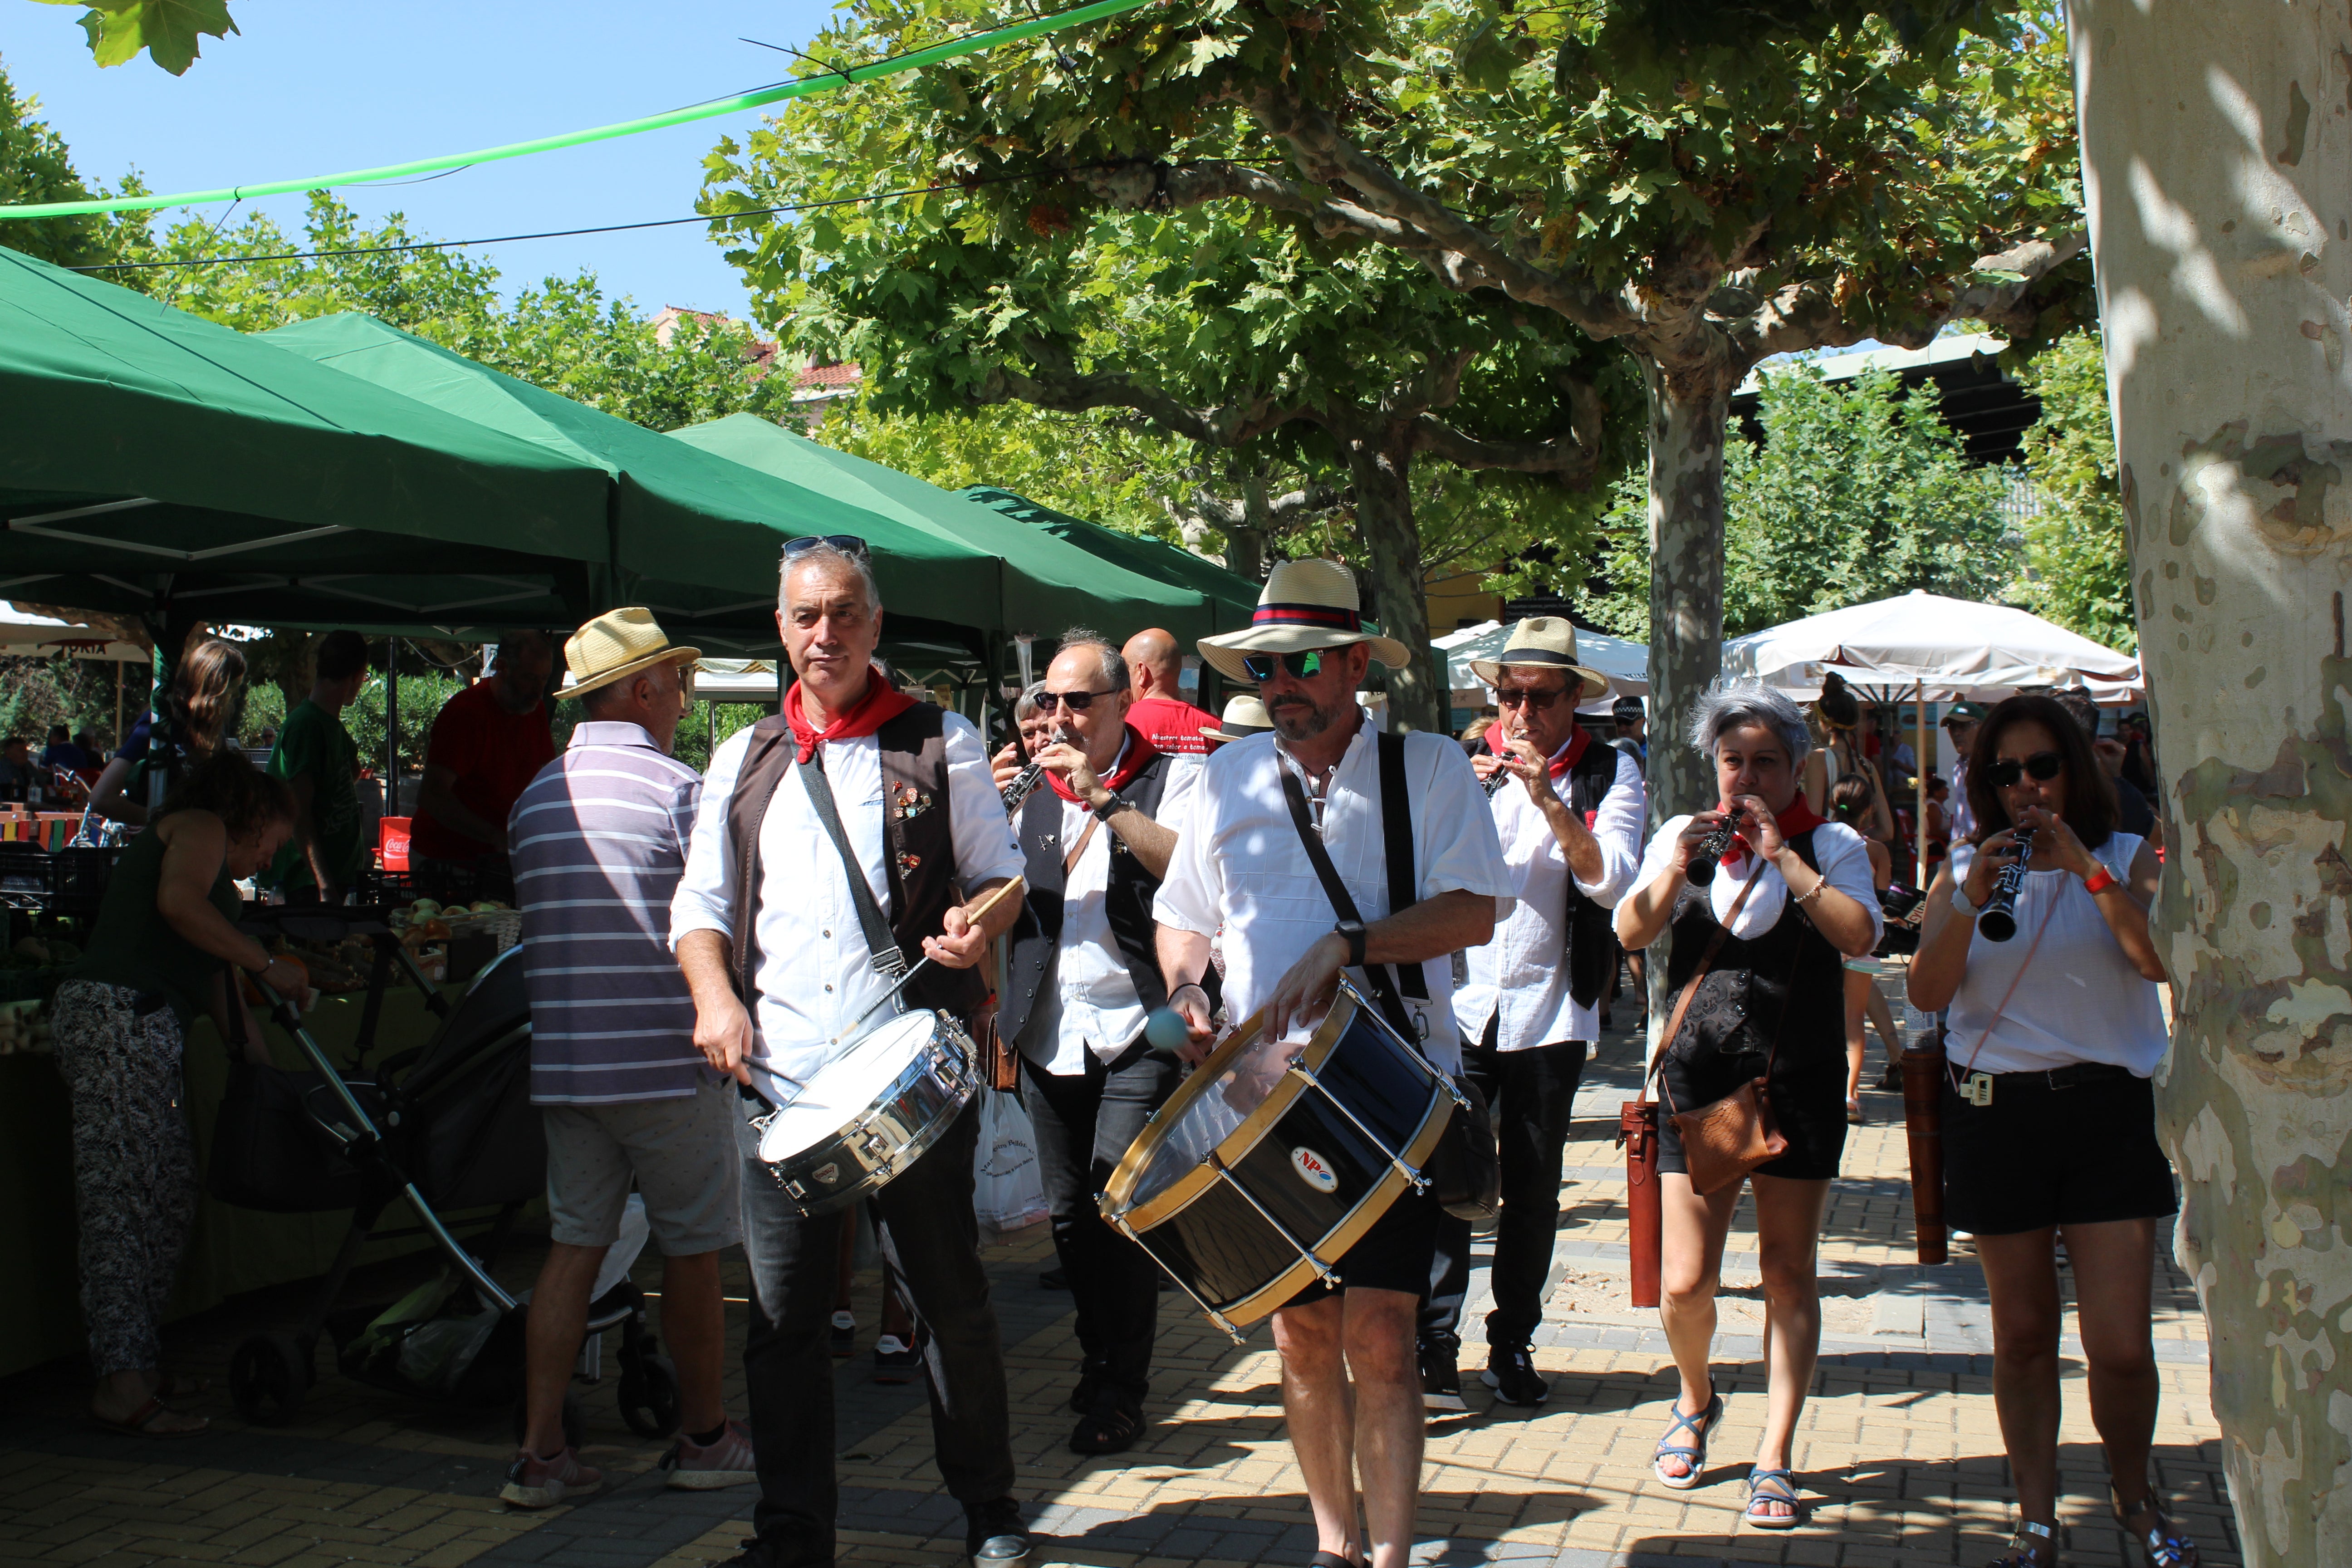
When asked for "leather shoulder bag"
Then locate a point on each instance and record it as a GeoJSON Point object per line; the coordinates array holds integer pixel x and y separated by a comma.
{"type": "Point", "coordinates": [1725, 1139]}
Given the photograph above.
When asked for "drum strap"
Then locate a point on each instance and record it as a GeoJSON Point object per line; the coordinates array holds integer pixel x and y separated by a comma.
{"type": "Point", "coordinates": [888, 960]}
{"type": "Point", "coordinates": [1396, 813]}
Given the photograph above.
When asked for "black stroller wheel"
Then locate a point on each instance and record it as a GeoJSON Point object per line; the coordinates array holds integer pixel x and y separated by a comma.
{"type": "Point", "coordinates": [649, 1397]}
{"type": "Point", "coordinates": [575, 1419]}
{"type": "Point", "coordinates": [268, 1375]}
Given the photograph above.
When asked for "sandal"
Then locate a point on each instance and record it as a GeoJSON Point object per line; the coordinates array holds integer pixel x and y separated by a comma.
{"type": "Point", "coordinates": [1853, 1113]}
{"type": "Point", "coordinates": [2162, 1544]}
{"type": "Point", "coordinates": [1110, 1427]}
{"type": "Point", "coordinates": [1694, 1453]}
{"type": "Point", "coordinates": [1783, 1485]}
{"type": "Point", "coordinates": [180, 1385]}
{"type": "Point", "coordinates": [2039, 1551]}
{"type": "Point", "coordinates": [141, 1422]}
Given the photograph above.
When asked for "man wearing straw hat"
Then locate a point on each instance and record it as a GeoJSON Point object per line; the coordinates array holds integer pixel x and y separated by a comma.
{"type": "Point", "coordinates": [1241, 864]}
{"type": "Point", "coordinates": [598, 841]}
{"type": "Point", "coordinates": [1568, 811]}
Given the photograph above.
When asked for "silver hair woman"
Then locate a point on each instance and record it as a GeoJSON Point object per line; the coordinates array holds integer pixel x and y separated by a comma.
{"type": "Point", "coordinates": [1756, 963]}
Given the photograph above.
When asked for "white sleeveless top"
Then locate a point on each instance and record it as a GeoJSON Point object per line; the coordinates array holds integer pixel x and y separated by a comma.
{"type": "Point", "coordinates": [2080, 999]}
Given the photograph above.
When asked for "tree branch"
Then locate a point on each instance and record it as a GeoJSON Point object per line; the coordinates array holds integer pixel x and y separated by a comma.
{"type": "Point", "coordinates": [1807, 315]}
{"type": "Point", "coordinates": [1052, 383]}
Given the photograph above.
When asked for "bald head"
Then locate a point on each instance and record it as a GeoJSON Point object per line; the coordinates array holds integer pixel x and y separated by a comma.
{"type": "Point", "coordinates": [1154, 662]}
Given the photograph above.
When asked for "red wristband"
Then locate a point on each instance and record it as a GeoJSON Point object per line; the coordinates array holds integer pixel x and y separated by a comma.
{"type": "Point", "coordinates": [2099, 882]}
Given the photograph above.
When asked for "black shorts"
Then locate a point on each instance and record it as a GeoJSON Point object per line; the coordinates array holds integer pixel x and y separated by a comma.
{"type": "Point", "coordinates": [2038, 1156]}
{"type": "Point", "coordinates": [1396, 1253]}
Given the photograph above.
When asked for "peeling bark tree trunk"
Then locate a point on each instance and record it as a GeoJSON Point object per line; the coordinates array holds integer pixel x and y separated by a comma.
{"type": "Point", "coordinates": [2217, 167]}
{"type": "Point", "coordinates": [1688, 415]}
{"type": "Point", "coordinates": [1384, 518]}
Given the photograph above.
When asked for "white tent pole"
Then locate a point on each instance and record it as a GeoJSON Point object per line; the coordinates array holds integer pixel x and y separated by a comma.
{"type": "Point", "coordinates": [1919, 767]}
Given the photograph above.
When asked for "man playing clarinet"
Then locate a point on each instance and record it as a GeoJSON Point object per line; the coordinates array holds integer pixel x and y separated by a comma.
{"type": "Point", "coordinates": [828, 836]}
{"type": "Point", "coordinates": [1081, 977]}
{"type": "Point", "coordinates": [1350, 1390]}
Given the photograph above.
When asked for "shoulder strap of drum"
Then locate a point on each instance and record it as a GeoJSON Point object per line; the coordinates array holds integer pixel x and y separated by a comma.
{"type": "Point", "coordinates": [887, 957]}
{"type": "Point", "coordinates": [1396, 833]}
{"type": "Point", "coordinates": [1384, 990]}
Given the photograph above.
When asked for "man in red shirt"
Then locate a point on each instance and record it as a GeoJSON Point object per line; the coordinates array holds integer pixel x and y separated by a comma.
{"type": "Point", "coordinates": [1168, 722]}
{"type": "Point", "coordinates": [489, 742]}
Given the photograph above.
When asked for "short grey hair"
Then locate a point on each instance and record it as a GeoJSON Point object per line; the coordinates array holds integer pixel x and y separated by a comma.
{"type": "Point", "coordinates": [1730, 705]}
{"type": "Point", "coordinates": [834, 558]}
{"type": "Point", "coordinates": [1114, 662]}
{"type": "Point", "coordinates": [1027, 705]}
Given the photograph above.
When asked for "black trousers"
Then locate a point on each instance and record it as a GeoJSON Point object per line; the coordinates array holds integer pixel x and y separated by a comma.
{"type": "Point", "coordinates": [1085, 1121]}
{"type": "Point", "coordinates": [1531, 1094]}
{"type": "Point", "coordinates": [931, 1237]}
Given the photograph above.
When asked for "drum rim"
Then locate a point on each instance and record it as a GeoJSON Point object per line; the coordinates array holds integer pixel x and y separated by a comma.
{"type": "Point", "coordinates": [955, 1046]}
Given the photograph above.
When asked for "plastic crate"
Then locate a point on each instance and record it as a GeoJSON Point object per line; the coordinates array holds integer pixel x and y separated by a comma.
{"type": "Point", "coordinates": [78, 879]}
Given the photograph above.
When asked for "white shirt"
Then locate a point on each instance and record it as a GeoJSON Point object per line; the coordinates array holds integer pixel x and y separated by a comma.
{"type": "Point", "coordinates": [2079, 1000]}
{"type": "Point", "coordinates": [1523, 971]}
{"type": "Point", "coordinates": [1845, 862]}
{"type": "Point", "coordinates": [1239, 864]}
{"type": "Point", "coordinates": [1089, 1001]}
{"type": "Point", "coordinates": [815, 974]}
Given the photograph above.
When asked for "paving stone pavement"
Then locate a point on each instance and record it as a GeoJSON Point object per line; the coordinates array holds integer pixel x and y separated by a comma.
{"type": "Point", "coordinates": [1898, 1451]}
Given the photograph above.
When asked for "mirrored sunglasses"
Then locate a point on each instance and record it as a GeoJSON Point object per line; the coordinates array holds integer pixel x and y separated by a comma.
{"type": "Point", "coordinates": [1303, 666]}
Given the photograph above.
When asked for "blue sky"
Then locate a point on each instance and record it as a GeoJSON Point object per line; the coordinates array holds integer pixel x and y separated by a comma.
{"type": "Point", "coordinates": [320, 86]}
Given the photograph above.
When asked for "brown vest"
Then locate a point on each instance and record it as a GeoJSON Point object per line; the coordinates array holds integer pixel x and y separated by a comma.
{"type": "Point", "coordinates": [917, 841]}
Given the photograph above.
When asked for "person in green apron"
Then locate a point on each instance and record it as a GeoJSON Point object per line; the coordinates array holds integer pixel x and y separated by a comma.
{"type": "Point", "coordinates": [164, 939]}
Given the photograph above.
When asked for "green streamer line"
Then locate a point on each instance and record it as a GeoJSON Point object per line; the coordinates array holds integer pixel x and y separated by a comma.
{"type": "Point", "coordinates": [830, 79]}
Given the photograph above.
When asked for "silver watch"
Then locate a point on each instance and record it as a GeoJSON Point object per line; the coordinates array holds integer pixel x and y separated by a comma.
{"type": "Point", "coordinates": [1960, 905]}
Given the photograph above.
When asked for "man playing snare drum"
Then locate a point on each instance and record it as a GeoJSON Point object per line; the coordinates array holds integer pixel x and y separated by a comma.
{"type": "Point", "coordinates": [1240, 864]}
{"type": "Point", "coordinates": [908, 791]}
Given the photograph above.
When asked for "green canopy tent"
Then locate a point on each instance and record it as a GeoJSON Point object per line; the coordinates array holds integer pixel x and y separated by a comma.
{"type": "Point", "coordinates": [1034, 583]}
{"type": "Point", "coordinates": [694, 537]}
{"type": "Point", "coordinates": [1232, 597]}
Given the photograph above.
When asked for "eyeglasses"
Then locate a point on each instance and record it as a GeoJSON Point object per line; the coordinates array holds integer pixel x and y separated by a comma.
{"type": "Point", "coordinates": [1533, 701]}
{"type": "Point", "coordinates": [1076, 701]}
{"type": "Point", "coordinates": [847, 543]}
{"type": "Point", "coordinates": [1304, 665]}
{"type": "Point", "coordinates": [2042, 766]}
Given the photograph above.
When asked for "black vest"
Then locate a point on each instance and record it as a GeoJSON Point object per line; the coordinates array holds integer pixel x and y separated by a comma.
{"type": "Point", "coordinates": [917, 841]}
{"type": "Point", "coordinates": [1126, 903]}
{"type": "Point", "coordinates": [1591, 934]}
{"type": "Point", "coordinates": [1790, 969]}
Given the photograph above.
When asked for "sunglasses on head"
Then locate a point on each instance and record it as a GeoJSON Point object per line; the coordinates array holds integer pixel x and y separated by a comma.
{"type": "Point", "coordinates": [1076, 701]}
{"type": "Point", "coordinates": [1533, 701]}
{"type": "Point", "coordinates": [847, 543]}
{"type": "Point", "coordinates": [1304, 665]}
{"type": "Point", "coordinates": [2042, 766]}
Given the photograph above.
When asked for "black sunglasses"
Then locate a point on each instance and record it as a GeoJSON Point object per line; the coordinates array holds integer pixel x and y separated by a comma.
{"type": "Point", "coordinates": [2042, 766]}
{"type": "Point", "coordinates": [1534, 701]}
{"type": "Point", "coordinates": [1076, 701]}
{"type": "Point", "coordinates": [1304, 665]}
{"type": "Point", "coordinates": [847, 543]}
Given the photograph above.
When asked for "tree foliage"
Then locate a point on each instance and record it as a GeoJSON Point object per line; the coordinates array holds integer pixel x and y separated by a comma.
{"type": "Point", "coordinates": [2076, 548]}
{"type": "Point", "coordinates": [1855, 495]}
{"type": "Point", "coordinates": [35, 166]}
{"type": "Point", "coordinates": [168, 32]}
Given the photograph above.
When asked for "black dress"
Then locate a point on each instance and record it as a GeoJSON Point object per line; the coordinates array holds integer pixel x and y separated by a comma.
{"type": "Point", "coordinates": [1789, 980]}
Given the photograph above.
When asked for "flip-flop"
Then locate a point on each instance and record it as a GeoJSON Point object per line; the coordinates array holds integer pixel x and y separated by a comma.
{"type": "Point", "coordinates": [139, 1423]}
{"type": "Point", "coordinates": [181, 1385]}
{"type": "Point", "coordinates": [1698, 1426]}
{"type": "Point", "coordinates": [1784, 1491]}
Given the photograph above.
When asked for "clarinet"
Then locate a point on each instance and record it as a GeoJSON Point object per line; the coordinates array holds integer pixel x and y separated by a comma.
{"type": "Point", "coordinates": [1709, 854]}
{"type": "Point", "coordinates": [1998, 919]}
{"type": "Point", "coordinates": [1495, 781]}
{"type": "Point", "coordinates": [1024, 783]}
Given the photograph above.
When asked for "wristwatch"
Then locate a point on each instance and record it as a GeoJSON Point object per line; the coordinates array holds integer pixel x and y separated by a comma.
{"type": "Point", "coordinates": [1352, 932]}
{"type": "Point", "coordinates": [1960, 905]}
{"type": "Point", "coordinates": [1109, 809]}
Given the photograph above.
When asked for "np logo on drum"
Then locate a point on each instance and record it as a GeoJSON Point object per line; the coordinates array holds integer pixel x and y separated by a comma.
{"type": "Point", "coordinates": [1314, 1170]}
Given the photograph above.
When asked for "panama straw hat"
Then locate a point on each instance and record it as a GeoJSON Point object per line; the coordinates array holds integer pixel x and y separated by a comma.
{"type": "Point", "coordinates": [1243, 717]}
{"type": "Point", "coordinates": [1541, 642]}
{"type": "Point", "coordinates": [616, 645]}
{"type": "Point", "coordinates": [1305, 604]}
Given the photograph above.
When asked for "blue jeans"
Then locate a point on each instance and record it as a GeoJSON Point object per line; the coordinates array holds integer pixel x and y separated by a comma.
{"type": "Point", "coordinates": [929, 1237]}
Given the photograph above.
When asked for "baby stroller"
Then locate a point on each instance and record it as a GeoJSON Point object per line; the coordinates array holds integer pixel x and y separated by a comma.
{"type": "Point", "coordinates": [446, 1126]}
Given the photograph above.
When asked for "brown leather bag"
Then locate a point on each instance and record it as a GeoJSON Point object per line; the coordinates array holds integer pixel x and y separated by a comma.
{"type": "Point", "coordinates": [1725, 1139]}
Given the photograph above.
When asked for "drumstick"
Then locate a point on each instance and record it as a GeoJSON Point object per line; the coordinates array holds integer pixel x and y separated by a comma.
{"type": "Point", "coordinates": [972, 916]}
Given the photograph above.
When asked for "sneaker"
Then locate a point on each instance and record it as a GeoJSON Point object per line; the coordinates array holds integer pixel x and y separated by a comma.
{"type": "Point", "coordinates": [534, 1482]}
{"type": "Point", "coordinates": [895, 1360]}
{"type": "Point", "coordinates": [994, 1535]}
{"type": "Point", "coordinates": [726, 1463]}
{"type": "Point", "coordinates": [1511, 1373]}
{"type": "Point", "coordinates": [844, 1336]}
{"type": "Point", "coordinates": [1440, 1380]}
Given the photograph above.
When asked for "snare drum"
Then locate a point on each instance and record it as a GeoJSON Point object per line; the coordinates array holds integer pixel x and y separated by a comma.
{"type": "Point", "coordinates": [868, 1114]}
{"type": "Point", "coordinates": [1275, 1157]}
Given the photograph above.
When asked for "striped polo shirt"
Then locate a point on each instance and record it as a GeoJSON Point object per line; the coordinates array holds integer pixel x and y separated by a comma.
{"type": "Point", "coordinates": [598, 841]}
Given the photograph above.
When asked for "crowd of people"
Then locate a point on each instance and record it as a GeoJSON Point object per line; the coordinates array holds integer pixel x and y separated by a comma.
{"type": "Point", "coordinates": [700, 946]}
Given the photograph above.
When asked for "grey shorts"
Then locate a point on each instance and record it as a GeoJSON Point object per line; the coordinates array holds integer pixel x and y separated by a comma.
{"type": "Point", "coordinates": [680, 1152]}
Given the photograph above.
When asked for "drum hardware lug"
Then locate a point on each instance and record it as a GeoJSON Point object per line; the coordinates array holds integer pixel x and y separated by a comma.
{"type": "Point", "coordinates": [1305, 1254]}
{"type": "Point", "coordinates": [1214, 1316]}
{"type": "Point", "coordinates": [1396, 1162]}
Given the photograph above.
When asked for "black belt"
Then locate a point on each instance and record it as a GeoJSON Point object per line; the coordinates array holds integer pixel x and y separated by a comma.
{"type": "Point", "coordinates": [2060, 1078]}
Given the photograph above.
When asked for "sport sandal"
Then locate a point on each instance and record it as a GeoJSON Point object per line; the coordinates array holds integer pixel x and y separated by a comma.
{"type": "Point", "coordinates": [2163, 1544]}
{"type": "Point", "coordinates": [1695, 1453]}
{"type": "Point", "coordinates": [1766, 1487]}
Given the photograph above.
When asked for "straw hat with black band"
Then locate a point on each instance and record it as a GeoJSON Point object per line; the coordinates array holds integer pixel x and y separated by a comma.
{"type": "Point", "coordinates": [1306, 605]}
{"type": "Point", "coordinates": [617, 645]}
{"type": "Point", "coordinates": [1244, 717]}
{"type": "Point", "coordinates": [1542, 642]}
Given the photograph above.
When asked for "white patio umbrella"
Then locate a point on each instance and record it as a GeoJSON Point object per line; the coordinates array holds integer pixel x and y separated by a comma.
{"type": "Point", "coordinates": [23, 635]}
{"type": "Point", "coordinates": [1626, 664]}
{"type": "Point", "coordinates": [1925, 648]}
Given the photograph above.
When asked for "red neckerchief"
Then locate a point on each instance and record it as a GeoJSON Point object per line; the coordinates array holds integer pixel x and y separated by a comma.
{"type": "Point", "coordinates": [881, 703]}
{"type": "Point", "coordinates": [1137, 757]}
{"type": "Point", "coordinates": [1795, 819]}
{"type": "Point", "coordinates": [1501, 747]}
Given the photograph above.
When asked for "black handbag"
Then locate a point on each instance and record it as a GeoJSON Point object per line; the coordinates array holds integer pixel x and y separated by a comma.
{"type": "Point", "coordinates": [270, 1153]}
{"type": "Point", "coordinates": [1465, 1170]}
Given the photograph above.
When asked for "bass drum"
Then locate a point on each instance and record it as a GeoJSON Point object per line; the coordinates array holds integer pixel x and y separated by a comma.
{"type": "Point", "coordinates": [1275, 1157]}
{"type": "Point", "coordinates": [869, 1114]}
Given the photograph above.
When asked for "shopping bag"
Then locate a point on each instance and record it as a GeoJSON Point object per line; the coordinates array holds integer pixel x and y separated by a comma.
{"type": "Point", "coordinates": [1008, 1190]}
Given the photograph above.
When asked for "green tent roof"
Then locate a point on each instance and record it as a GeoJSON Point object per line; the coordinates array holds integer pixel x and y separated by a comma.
{"type": "Point", "coordinates": [1231, 596]}
{"type": "Point", "coordinates": [1035, 582]}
